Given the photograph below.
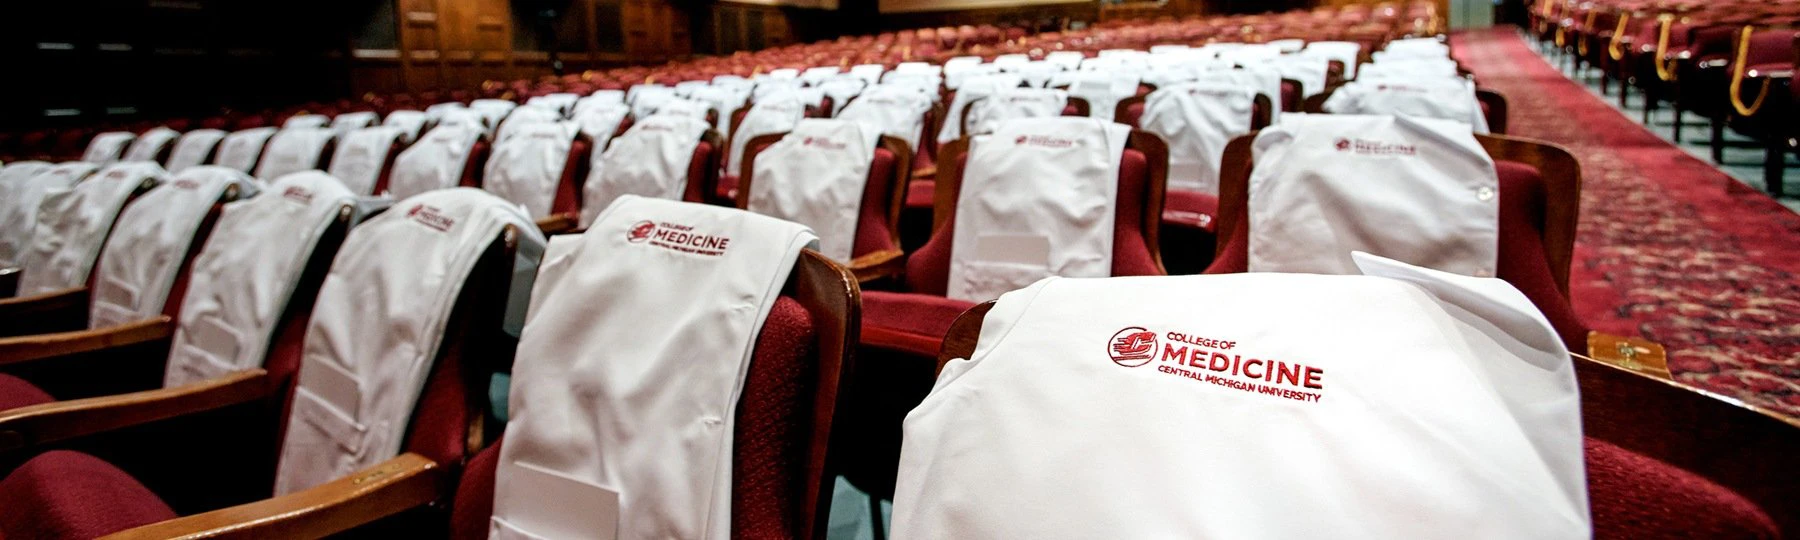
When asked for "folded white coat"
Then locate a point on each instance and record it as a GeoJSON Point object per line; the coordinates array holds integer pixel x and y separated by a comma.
{"type": "Point", "coordinates": [436, 161]}
{"type": "Point", "coordinates": [152, 239]}
{"type": "Point", "coordinates": [364, 367]}
{"type": "Point", "coordinates": [815, 176]}
{"type": "Point", "coordinates": [1418, 190]}
{"type": "Point", "coordinates": [73, 224]}
{"type": "Point", "coordinates": [1038, 199]}
{"type": "Point", "coordinates": [527, 168]}
{"type": "Point", "coordinates": [194, 148]}
{"type": "Point", "coordinates": [23, 185]}
{"type": "Point", "coordinates": [150, 145]}
{"type": "Point", "coordinates": [989, 112]}
{"type": "Point", "coordinates": [107, 147]}
{"type": "Point", "coordinates": [599, 444]}
{"type": "Point", "coordinates": [772, 113]}
{"type": "Point", "coordinates": [650, 160]}
{"type": "Point", "coordinates": [244, 278]}
{"type": "Point", "coordinates": [1228, 406]}
{"type": "Point", "coordinates": [294, 149]}
{"type": "Point", "coordinates": [362, 155]}
{"type": "Point", "coordinates": [1197, 120]}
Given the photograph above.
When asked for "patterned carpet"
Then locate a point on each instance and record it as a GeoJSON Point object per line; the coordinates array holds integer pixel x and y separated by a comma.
{"type": "Point", "coordinates": [1668, 248]}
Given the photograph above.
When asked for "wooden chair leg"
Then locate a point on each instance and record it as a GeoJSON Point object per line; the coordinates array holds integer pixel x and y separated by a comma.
{"type": "Point", "coordinates": [1775, 166]}
{"type": "Point", "coordinates": [876, 525]}
{"type": "Point", "coordinates": [1718, 139]}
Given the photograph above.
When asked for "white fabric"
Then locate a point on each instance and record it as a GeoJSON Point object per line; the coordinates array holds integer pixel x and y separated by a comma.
{"type": "Point", "coordinates": [1409, 69]}
{"type": "Point", "coordinates": [377, 326]}
{"type": "Point", "coordinates": [435, 162]}
{"type": "Point", "coordinates": [362, 155]}
{"type": "Point", "coordinates": [1039, 74]}
{"type": "Point", "coordinates": [990, 112]}
{"type": "Point", "coordinates": [346, 123]}
{"type": "Point", "coordinates": [869, 73]}
{"type": "Point", "coordinates": [562, 102]}
{"type": "Point", "coordinates": [466, 119]}
{"type": "Point", "coordinates": [152, 238]}
{"type": "Point", "coordinates": [242, 149]}
{"type": "Point", "coordinates": [73, 224]}
{"type": "Point", "coordinates": [725, 100]}
{"type": "Point", "coordinates": [527, 168]}
{"type": "Point", "coordinates": [895, 110]}
{"type": "Point", "coordinates": [193, 149]}
{"type": "Point", "coordinates": [684, 107]}
{"type": "Point", "coordinates": [1038, 199]}
{"type": "Point", "coordinates": [1197, 120]}
{"type": "Point", "coordinates": [816, 75]}
{"type": "Point", "coordinates": [600, 98]}
{"type": "Point", "coordinates": [1467, 425]}
{"type": "Point", "coordinates": [411, 123]}
{"type": "Point", "coordinates": [1069, 60]}
{"type": "Point", "coordinates": [1416, 48]}
{"type": "Point", "coordinates": [784, 74]}
{"type": "Point", "coordinates": [774, 113]}
{"type": "Point", "coordinates": [645, 98]}
{"type": "Point", "coordinates": [1344, 52]}
{"type": "Point", "coordinates": [436, 112]}
{"type": "Point", "coordinates": [23, 186]}
{"type": "Point", "coordinates": [244, 278]}
{"type": "Point", "coordinates": [651, 160]}
{"type": "Point", "coordinates": [1103, 90]}
{"type": "Point", "coordinates": [600, 444]}
{"type": "Point", "coordinates": [815, 176]}
{"type": "Point", "coordinates": [149, 146]}
{"type": "Point", "coordinates": [1288, 46]}
{"type": "Point", "coordinates": [767, 89]}
{"type": "Point", "coordinates": [107, 147]}
{"type": "Point", "coordinates": [841, 90]}
{"type": "Point", "coordinates": [1311, 72]}
{"type": "Point", "coordinates": [493, 110]}
{"type": "Point", "coordinates": [1449, 99]}
{"type": "Point", "coordinates": [976, 87]}
{"type": "Point", "coordinates": [1417, 190]}
{"type": "Point", "coordinates": [525, 116]}
{"type": "Point", "coordinates": [1011, 62]}
{"type": "Point", "coordinates": [306, 121]}
{"type": "Point", "coordinates": [601, 122]}
{"type": "Point", "coordinates": [292, 150]}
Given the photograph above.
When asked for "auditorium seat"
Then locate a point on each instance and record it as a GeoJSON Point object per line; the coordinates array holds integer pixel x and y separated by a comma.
{"type": "Point", "coordinates": [903, 327]}
{"type": "Point", "coordinates": [876, 252]}
{"type": "Point", "coordinates": [1647, 477]}
{"type": "Point", "coordinates": [133, 356]}
{"type": "Point", "coordinates": [1762, 62]}
{"type": "Point", "coordinates": [57, 269]}
{"type": "Point", "coordinates": [785, 415]}
{"type": "Point", "coordinates": [521, 167]}
{"type": "Point", "coordinates": [441, 434]}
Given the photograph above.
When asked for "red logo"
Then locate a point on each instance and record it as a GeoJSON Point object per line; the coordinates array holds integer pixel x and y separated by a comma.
{"type": "Point", "coordinates": [1376, 148]}
{"type": "Point", "coordinates": [297, 193]}
{"type": "Point", "coordinates": [430, 216]}
{"type": "Point", "coordinates": [640, 232]}
{"type": "Point", "coordinates": [1132, 347]}
{"type": "Point", "coordinates": [1021, 139]}
{"type": "Point", "coordinates": [1343, 145]}
{"type": "Point", "coordinates": [184, 183]}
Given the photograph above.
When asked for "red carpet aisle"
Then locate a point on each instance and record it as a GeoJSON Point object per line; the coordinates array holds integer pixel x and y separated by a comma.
{"type": "Point", "coordinates": [1668, 247]}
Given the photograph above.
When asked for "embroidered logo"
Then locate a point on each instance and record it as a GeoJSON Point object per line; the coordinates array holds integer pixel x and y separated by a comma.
{"type": "Point", "coordinates": [827, 144]}
{"type": "Point", "coordinates": [187, 184]}
{"type": "Point", "coordinates": [1132, 347]}
{"type": "Point", "coordinates": [677, 237]}
{"type": "Point", "coordinates": [431, 216]}
{"type": "Point", "coordinates": [298, 194]}
{"type": "Point", "coordinates": [1046, 141]}
{"type": "Point", "coordinates": [1213, 361]}
{"type": "Point", "coordinates": [1375, 148]}
{"type": "Point", "coordinates": [640, 232]}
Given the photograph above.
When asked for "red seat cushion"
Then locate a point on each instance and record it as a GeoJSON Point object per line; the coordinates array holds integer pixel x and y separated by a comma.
{"type": "Point", "coordinates": [63, 494]}
{"type": "Point", "coordinates": [773, 424]}
{"type": "Point", "coordinates": [16, 392]}
{"type": "Point", "coordinates": [1190, 209]}
{"type": "Point", "coordinates": [914, 323]}
{"type": "Point", "coordinates": [1635, 496]}
{"type": "Point", "coordinates": [920, 194]}
{"type": "Point", "coordinates": [1133, 113]}
{"type": "Point", "coordinates": [873, 231]}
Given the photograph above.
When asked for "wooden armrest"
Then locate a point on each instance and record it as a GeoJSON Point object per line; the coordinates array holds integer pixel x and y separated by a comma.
{"type": "Point", "coordinates": [54, 311]}
{"type": "Point", "coordinates": [877, 265]}
{"type": "Point", "coordinates": [61, 420]}
{"type": "Point", "coordinates": [388, 488]}
{"type": "Point", "coordinates": [1631, 354]}
{"type": "Point", "coordinates": [559, 223]}
{"type": "Point", "coordinates": [15, 350]}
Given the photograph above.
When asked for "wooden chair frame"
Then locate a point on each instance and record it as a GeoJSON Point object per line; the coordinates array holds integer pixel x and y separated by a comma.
{"type": "Point", "coordinates": [829, 293]}
{"type": "Point", "coordinates": [870, 266]}
{"type": "Point", "coordinates": [1079, 104]}
{"type": "Point", "coordinates": [405, 482]}
{"type": "Point", "coordinates": [1156, 154]}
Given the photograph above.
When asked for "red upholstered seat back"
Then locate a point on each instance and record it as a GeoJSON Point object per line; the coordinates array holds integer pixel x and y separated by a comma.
{"type": "Point", "coordinates": [928, 269]}
{"type": "Point", "coordinates": [387, 166]}
{"type": "Point", "coordinates": [474, 342]}
{"type": "Point", "coordinates": [1522, 259]}
{"type": "Point", "coordinates": [1134, 111]}
{"type": "Point", "coordinates": [703, 173]}
{"type": "Point", "coordinates": [178, 290]}
{"type": "Point", "coordinates": [1636, 496]}
{"type": "Point", "coordinates": [873, 231]}
{"type": "Point", "coordinates": [476, 166]}
{"type": "Point", "coordinates": [574, 176]}
{"type": "Point", "coordinates": [774, 419]}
